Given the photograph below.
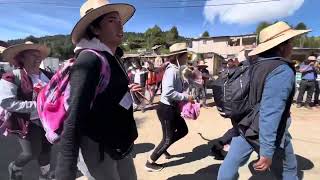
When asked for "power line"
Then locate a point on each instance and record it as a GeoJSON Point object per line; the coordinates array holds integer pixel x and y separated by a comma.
{"type": "Point", "coordinates": [64, 5]}
{"type": "Point", "coordinates": [213, 5]}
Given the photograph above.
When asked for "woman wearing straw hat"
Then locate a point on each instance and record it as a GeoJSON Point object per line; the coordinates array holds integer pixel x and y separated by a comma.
{"type": "Point", "coordinates": [202, 67]}
{"type": "Point", "coordinates": [173, 125]}
{"type": "Point", "coordinates": [3, 46]}
{"type": "Point", "coordinates": [105, 131]}
{"type": "Point", "coordinates": [18, 93]}
{"type": "Point", "coordinates": [271, 94]}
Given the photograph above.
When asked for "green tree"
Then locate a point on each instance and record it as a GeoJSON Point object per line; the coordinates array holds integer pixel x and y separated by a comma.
{"type": "Point", "coordinates": [152, 35]}
{"type": "Point", "coordinates": [300, 40]}
{"type": "Point", "coordinates": [205, 34]}
{"type": "Point", "coordinates": [301, 26]}
{"type": "Point", "coordinates": [32, 39]}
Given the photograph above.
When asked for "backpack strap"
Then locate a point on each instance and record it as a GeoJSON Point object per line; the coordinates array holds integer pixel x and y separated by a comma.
{"type": "Point", "coordinates": [105, 73]}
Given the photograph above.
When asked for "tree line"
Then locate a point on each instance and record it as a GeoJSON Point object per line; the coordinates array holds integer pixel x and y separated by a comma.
{"type": "Point", "coordinates": [62, 47]}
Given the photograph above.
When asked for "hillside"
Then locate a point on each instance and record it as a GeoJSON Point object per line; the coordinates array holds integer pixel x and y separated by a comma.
{"type": "Point", "coordinates": [62, 47]}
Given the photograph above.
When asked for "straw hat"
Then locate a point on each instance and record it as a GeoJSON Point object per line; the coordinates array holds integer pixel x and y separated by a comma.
{"type": "Point", "coordinates": [178, 48]}
{"type": "Point", "coordinates": [92, 9]}
{"type": "Point", "coordinates": [274, 35]}
{"type": "Point", "coordinates": [11, 52]}
{"type": "Point", "coordinates": [312, 58]}
{"type": "Point", "coordinates": [156, 47]}
{"type": "Point", "coordinates": [202, 64]}
{"type": "Point", "coordinates": [2, 49]}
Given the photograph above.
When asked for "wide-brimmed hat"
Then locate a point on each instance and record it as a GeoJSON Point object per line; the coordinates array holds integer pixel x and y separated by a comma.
{"type": "Point", "coordinates": [92, 9]}
{"type": "Point", "coordinates": [2, 49]}
{"type": "Point", "coordinates": [156, 47]}
{"type": "Point", "coordinates": [202, 64]}
{"type": "Point", "coordinates": [274, 35]}
{"type": "Point", "coordinates": [312, 58]}
{"type": "Point", "coordinates": [177, 48]}
{"type": "Point", "coordinates": [11, 52]}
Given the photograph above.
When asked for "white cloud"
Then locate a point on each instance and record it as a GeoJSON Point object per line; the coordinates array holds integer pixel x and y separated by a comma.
{"type": "Point", "coordinates": [249, 13]}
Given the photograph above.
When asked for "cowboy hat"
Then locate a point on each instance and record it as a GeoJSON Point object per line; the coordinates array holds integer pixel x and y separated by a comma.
{"type": "Point", "coordinates": [156, 47]}
{"type": "Point", "coordinates": [2, 49]}
{"type": "Point", "coordinates": [274, 35]}
{"type": "Point", "coordinates": [11, 52]}
{"type": "Point", "coordinates": [92, 9]}
{"type": "Point", "coordinates": [312, 58]}
{"type": "Point", "coordinates": [177, 48]}
{"type": "Point", "coordinates": [202, 64]}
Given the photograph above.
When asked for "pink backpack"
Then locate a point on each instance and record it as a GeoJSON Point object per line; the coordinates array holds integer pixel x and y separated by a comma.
{"type": "Point", "coordinates": [190, 110]}
{"type": "Point", "coordinates": [52, 101]}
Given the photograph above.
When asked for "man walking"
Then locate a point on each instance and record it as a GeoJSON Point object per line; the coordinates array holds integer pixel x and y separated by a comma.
{"type": "Point", "coordinates": [308, 81]}
{"type": "Point", "coordinates": [265, 128]}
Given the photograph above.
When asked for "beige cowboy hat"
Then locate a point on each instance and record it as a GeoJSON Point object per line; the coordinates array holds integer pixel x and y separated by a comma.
{"type": "Point", "coordinates": [202, 64]}
{"type": "Point", "coordinates": [274, 35]}
{"type": "Point", "coordinates": [92, 9]}
{"type": "Point", "coordinates": [312, 58]}
{"type": "Point", "coordinates": [11, 52]}
{"type": "Point", "coordinates": [2, 49]}
{"type": "Point", "coordinates": [156, 47]}
{"type": "Point", "coordinates": [177, 48]}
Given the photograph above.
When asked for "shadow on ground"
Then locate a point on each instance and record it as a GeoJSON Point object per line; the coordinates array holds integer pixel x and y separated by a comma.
{"type": "Point", "coordinates": [140, 121]}
{"type": "Point", "coordinates": [303, 164]}
{"type": "Point", "coordinates": [197, 153]}
{"type": "Point", "coordinates": [207, 173]}
{"type": "Point", "coordinates": [142, 148]}
{"type": "Point", "coordinates": [211, 172]}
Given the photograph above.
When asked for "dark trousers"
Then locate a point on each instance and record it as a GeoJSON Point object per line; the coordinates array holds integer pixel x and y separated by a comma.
{"type": "Point", "coordinates": [173, 128]}
{"type": "Point", "coordinates": [309, 86]}
{"type": "Point", "coordinates": [317, 92]}
{"type": "Point", "coordinates": [34, 146]}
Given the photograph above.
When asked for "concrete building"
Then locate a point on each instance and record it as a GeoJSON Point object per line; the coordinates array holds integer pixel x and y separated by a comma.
{"type": "Point", "coordinates": [225, 46]}
{"type": "Point", "coordinates": [215, 49]}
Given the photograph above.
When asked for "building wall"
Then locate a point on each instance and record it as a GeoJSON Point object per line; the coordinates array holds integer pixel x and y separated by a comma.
{"type": "Point", "coordinates": [224, 46]}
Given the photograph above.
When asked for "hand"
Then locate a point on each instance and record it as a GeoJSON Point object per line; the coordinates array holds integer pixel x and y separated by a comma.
{"type": "Point", "coordinates": [263, 164]}
{"type": "Point", "coordinates": [190, 99]}
{"type": "Point", "coordinates": [135, 87]}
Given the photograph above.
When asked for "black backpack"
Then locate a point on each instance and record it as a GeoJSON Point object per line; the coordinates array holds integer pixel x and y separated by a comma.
{"type": "Point", "coordinates": [231, 91]}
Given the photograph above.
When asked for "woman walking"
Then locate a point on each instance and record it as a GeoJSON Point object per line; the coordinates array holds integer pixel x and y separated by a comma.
{"type": "Point", "coordinates": [103, 127]}
{"type": "Point", "coordinates": [173, 125]}
{"type": "Point", "coordinates": [18, 95]}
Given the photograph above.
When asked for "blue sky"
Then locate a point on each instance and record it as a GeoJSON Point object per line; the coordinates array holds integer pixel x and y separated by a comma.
{"type": "Point", "coordinates": [43, 17]}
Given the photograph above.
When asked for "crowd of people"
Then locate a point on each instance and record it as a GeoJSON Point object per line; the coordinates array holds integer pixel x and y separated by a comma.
{"type": "Point", "coordinates": [99, 131]}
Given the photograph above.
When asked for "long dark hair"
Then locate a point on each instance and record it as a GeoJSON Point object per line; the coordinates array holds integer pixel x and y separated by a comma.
{"type": "Point", "coordinates": [95, 24]}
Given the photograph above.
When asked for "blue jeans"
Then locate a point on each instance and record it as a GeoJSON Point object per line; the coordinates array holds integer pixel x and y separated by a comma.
{"type": "Point", "coordinates": [239, 154]}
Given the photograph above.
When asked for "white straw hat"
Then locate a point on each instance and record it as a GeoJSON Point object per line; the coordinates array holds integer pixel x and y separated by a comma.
{"type": "Point", "coordinates": [177, 48]}
{"type": "Point", "coordinates": [274, 35]}
{"type": "Point", "coordinates": [11, 52]}
{"type": "Point", "coordinates": [92, 9]}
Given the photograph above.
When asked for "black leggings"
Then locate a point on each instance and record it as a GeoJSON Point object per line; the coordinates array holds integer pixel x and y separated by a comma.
{"type": "Point", "coordinates": [173, 128]}
{"type": "Point", "coordinates": [34, 146]}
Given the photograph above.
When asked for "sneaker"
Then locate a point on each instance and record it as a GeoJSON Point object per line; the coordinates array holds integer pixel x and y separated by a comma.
{"type": "Point", "coordinates": [153, 167]}
{"type": "Point", "coordinates": [15, 173]}
{"type": "Point", "coordinates": [299, 105]}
